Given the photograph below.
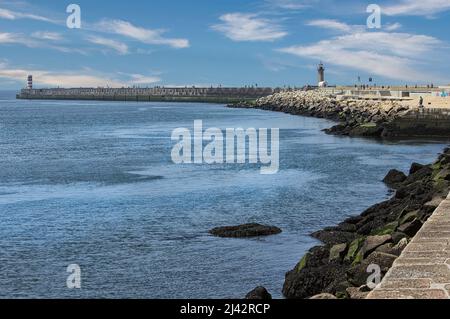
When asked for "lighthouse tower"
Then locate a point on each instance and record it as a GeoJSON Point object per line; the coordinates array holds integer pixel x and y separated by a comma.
{"type": "Point", "coordinates": [30, 82]}
{"type": "Point", "coordinates": [321, 75]}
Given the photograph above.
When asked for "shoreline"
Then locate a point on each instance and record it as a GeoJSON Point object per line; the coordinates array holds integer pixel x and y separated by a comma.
{"type": "Point", "coordinates": [337, 268]}
{"type": "Point", "coordinates": [358, 118]}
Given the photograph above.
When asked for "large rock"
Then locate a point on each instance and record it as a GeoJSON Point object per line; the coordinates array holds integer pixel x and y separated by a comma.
{"type": "Point", "coordinates": [323, 296]}
{"type": "Point", "coordinates": [394, 178]}
{"type": "Point", "coordinates": [358, 293]}
{"type": "Point", "coordinates": [311, 281]}
{"type": "Point", "coordinates": [358, 275]}
{"type": "Point", "coordinates": [337, 252]}
{"type": "Point", "coordinates": [373, 242]}
{"type": "Point", "coordinates": [392, 249]}
{"type": "Point", "coordinates": [415, 167]}
{"type": "Point", "coordinates": [334, 237]}
{"type": "Point", "coordinates": [259, 293]}
{"type": "Point", "coordinates": [246, 230]}
{"type": "Point", "coordinates": [411, 228]}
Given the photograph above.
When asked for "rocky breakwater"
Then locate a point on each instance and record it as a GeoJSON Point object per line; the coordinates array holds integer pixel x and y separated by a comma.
{"type": "Point", "coordinates": [378, 236]}
{"type": "Point", "coordinates": [356, 117]}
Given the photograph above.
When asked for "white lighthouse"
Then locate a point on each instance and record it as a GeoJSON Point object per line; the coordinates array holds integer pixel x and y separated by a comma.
{"type": "Point", "coordinates": [30, 82]}
{"type": "Point", "coordinates": [321, 75]}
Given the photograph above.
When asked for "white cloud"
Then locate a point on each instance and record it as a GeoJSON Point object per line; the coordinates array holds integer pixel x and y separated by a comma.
{"type": "Point", "coordinates": [147, 36]}
{"type": "Point", "coordinates": [17, 38]}
{"type": "Point", "coordinates": [390, 55]}
{"type": "Point", "coordinates": [119, 47]}
{"type": "Point", "coordinates": [44, 35]}
{"type": "Point", "coordinates": [330, 24]}
{"type": "Point", "coordinates": [417, 7]}
{"type": "Point", "coordinates": [140, 79]}
{"type": "Point", "coordinates": [13, 15]}
{"type": "Point", "coordinates": [249, 27]}
{"type": "Point", "coordinates": [85, 78]}
{"type": "Point", "coordinates": [37, 42]}
{"type": "Point", "coordinates": [392, 27]}
{"type": "Point", "coordinates": [291, 4]}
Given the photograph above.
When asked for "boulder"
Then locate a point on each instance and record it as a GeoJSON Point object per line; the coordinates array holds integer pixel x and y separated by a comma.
{"type": "Point", "coordinates": [358, 275]}
{"type": "Point", "coordinates": [393, 249]}
{"type": "Point", "coordinates": [398, 236]}
{"type": "Point", "coordinates": [357, 293]}
{"type": "Point", "coordinates": [337, 252]}
{"type": "Point", "coordinates": [373, 242]}
{"type": "Point", "coordinates": [398, 249]}
{"type": "Point", "coordinates": [415, 167]}
{"type": "Point", "coordinates": [259, 293]}
{"type": "Point", "coordinates": [394, 178]}
{"type": "Point", "coordinates": [334, 237]}
{"type": "Point", "coordinates": [246, 230]}
{"type": "Point", "coordinates": [310, 281]}
{"type": "Point", "coordinates": [411, 228]}
{"type": "Point", "coordinates": [323, 296]}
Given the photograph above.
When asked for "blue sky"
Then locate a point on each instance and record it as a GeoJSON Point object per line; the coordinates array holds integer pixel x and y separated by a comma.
{"type": "Point", "coordinates": [222, 42]}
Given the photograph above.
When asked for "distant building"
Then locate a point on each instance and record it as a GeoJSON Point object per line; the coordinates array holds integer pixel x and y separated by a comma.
{"type": "Point", "coordinates": [30, 82]}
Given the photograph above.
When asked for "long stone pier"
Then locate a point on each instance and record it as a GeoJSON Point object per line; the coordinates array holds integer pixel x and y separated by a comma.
{"type": "Point", "coordinates": [156, 94]}
{"type": "Point", "coordinates": [423, 269]}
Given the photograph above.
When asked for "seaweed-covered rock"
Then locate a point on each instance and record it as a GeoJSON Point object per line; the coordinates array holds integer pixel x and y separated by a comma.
{"type": "Point", "coordinates": [358, 275]}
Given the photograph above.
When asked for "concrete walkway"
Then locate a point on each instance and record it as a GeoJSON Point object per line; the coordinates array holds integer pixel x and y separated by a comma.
{"type": "Point", "coordinates": [423, 269]}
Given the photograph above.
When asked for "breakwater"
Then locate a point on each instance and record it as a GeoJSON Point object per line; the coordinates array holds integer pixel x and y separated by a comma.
{"type": "Point", "coordinates": [423, 269]}
{"type": "Point", "coordinates": [339, 267]}
{"type": "Point", "coordinates": [157, 94]}
{"type": "Point", "coordinates": [369, 118]}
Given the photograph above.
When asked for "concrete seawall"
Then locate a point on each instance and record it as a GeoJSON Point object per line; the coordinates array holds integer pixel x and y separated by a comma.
{"type": "Point", "coordinates": [425, 122]}
{"type": "Point", "coordinates": [207, 95]}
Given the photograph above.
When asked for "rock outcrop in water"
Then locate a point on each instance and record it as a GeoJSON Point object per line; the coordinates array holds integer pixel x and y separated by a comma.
{"type": "Point", "coordinates": [357, 117]}
{"type": "Point", "coordinates": [377, 236]}
{"type": "Point", "coordinates": [259, 293]}
{"type": "Point", "coordinates": [244, 231]}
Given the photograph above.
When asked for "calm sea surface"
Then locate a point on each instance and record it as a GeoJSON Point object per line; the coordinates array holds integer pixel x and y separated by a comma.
{"type": "Point", "coordinates": [93, 183]}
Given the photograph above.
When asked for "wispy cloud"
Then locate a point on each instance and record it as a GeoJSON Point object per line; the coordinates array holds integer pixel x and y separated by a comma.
{"type": "Point", "coordinates": [83, 78]}
{"type": "Point", "coordinates": [417, 7]}
{"type": "Point", "coordinates": [37, 40]}
{"type": "Point", "coordinates": [44, 35]}
{"type": "Point", "coordinates": [392, 27]}
{"type": "Point", "coordinates": [249, 27]}
{"type": "Point", "coordinates": [14, 15]}
{"type": "Point", "coordinates": [390, 55]}
{"type": "Point", "coordinates": [17, 38]}
{"type": "Point", "coordinates": [330, 24]}
{"type": "Point", "coordinates": [291, 4]}
{"type": "Point", "coordinates": [147, 36]}
{"type": "Point", "coordinates": [117, 46]}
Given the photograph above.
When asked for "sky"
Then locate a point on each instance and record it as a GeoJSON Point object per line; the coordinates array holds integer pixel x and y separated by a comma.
{"type": "Point", "coordinates": [272, 43]}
